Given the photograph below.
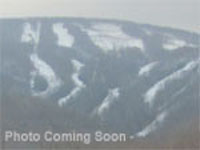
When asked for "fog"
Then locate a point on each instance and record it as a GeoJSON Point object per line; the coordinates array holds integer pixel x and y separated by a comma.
{"type": "Point", "coordinates": [173, 13]}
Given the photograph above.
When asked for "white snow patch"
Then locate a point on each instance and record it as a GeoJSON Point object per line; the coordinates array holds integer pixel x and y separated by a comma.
{"type": "Point", "coordinates": [153, 126]}
{"type": "Point", "coordinates": [113, 95]}
{"type": "Point", "coordinates": [44, 70]}
{"type": "Point", "coordinates": [111, 37]}
{"type": "Point", "coordinates": [64, 38]}
{"type": "Point", "coordinates": [77, 65]}
{"type": "Point", "coordinates": [79, 85]}
{"type": "Point", "coordinates": [150, 95]}
{"type": "Point", "coordinates": [147, 68]}
{"type": "Point", "coordinates": [174, 43]}
{"type": "Point", "coordinates": [30, 35]}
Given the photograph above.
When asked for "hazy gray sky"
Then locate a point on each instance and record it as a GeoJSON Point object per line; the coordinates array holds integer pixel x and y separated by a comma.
{"type": "Point", "coordinates": [174, 13]}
